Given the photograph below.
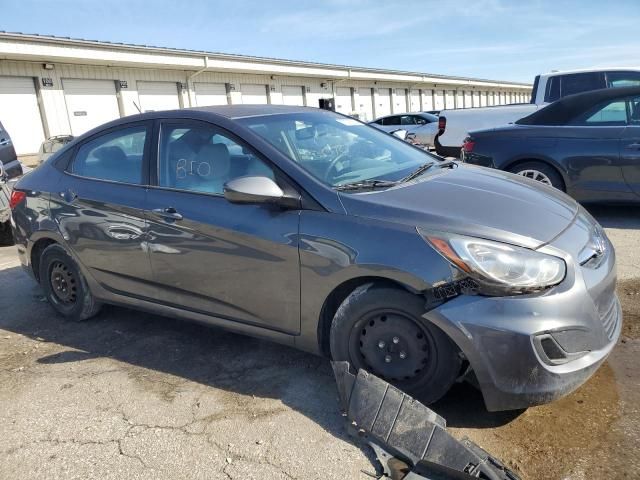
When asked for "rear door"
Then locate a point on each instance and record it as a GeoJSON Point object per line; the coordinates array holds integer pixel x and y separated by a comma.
{"type": "Point", "coordinates": [630, 147]}
{"type": "Point", "coordinates": [236, 262]}
{"type": "Point", "coordinates": [7, 151]}
{"type": "Point", "coordinates": [99, 207]}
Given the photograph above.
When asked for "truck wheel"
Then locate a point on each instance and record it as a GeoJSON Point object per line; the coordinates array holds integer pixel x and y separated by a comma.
{"type": "Point", "coordinates": [540, 172]}
{"type": "Point", "coordinates": [380, 329]}
{"type": "Point", "coordinates": [64, 285]}
{"type": "Point", "coordinates": [6, 235]}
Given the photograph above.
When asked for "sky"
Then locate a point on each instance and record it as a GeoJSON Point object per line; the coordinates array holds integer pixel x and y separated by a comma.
{"type": "Point", "coordinates": [492, 39]}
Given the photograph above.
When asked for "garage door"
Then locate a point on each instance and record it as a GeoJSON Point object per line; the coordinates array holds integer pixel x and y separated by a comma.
{"type": "Point", "coordinates": [19, 113]}
{"type": "Point", "coordinates": [383, 106]}
{"type": "Point", "coordinates": [427, 100]}
{"type": "Point", "coordinates": [439, 99]}
{"type": "Point", "coordinates": [90, 103]}
{"type": "Point", "coordinates": [468, 100]}
{"type": "Point", "coordinates": [449, 99]}
{"type": "Point", "coordinates": [157, 96]}
{"type": "Point", "coordinates": [343, 100]}
{"type": "Point", "coordinates": [210, 94]}
{"type": "Point", "coordinates": [400, 102]}
{"type": "Point", "coordinates": [483, 99]}
{"type": "Point", "coordinates": [292, 95]}
{"type": "Point", "coordinates": [254, 94]}
{"type": "Point", "coordinates": [414, 101]}
{"type": "Point", "coordinates": [365, 104]}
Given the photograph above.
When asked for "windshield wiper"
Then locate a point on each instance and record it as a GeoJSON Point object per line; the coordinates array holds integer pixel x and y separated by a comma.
{"type": "Point", "coordinates": [364, 184]}
{"type": "Point", "coordinates": [423, 168]}
{"type": "Point", "coordinates": [420, 170]}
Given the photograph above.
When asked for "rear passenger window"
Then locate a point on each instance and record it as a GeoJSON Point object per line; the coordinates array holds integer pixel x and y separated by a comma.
{"type": "Point", "coordinates": [609, 114]}
{"type": "Point", "coordinates": [201, 158]}
{"type": "Point", "coordinates": [115, 156]}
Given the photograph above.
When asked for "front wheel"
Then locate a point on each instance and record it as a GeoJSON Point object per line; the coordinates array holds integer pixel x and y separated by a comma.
{"type": "Point", "coordinates": [64, 285]}
{"type": "Point", "coordinates": [380, 329]}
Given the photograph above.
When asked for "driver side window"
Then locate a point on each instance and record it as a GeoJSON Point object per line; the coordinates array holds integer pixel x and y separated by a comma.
{"type": "Point", "coordinates": [201, 158]}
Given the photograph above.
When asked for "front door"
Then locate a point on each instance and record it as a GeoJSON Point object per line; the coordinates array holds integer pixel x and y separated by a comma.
{"type": "Point", "coordinates": [99, 207]}
{"type": "Point", "coordinates": [630, 147]}
{"type": "Point", "coordinates": [238, 262]}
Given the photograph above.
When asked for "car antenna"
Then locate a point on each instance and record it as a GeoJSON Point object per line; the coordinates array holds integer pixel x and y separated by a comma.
{"type": "Point", "coordinates": [137, 107]}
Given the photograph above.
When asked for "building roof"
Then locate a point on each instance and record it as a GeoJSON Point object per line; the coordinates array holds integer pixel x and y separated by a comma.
{"type": "Point", "coordinates": [218, 60]}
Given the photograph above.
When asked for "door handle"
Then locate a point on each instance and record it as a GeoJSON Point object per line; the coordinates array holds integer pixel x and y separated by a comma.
{"type": "Point", "coordinates": [168, 213]}
{"type": "Point", "coordinates": [4, 142]}
{"type": "Point", "coordinates": [633, 146]}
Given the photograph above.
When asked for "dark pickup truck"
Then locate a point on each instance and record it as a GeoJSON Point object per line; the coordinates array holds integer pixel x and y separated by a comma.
{"type": "Point", "coordinates": [10, 168]}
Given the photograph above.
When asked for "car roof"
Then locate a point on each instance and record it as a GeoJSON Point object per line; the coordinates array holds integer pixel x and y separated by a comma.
{"type": "Point", "coordinates": [241, 111]}
{"type": "Point", "coordinates": [402, 114]}
{"type": "Point", "coordinates": [567, 108]}
{"type": "Point", "coordinates": [591, 70]}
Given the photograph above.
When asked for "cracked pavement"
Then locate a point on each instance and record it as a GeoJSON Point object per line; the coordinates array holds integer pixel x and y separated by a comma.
{"type": "Point", "coordinates": [134, 395]}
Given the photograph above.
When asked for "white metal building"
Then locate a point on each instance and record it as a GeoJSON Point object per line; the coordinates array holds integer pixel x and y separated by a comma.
{"type": "Point", "coordinates": [55, 86]}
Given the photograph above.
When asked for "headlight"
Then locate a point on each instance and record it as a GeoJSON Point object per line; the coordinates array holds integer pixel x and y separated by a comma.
{"type": "Point", "coordinates": [498, 264]}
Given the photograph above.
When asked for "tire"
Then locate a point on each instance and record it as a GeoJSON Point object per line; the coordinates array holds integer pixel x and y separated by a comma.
{"type": "Point", "coordinates": [550, 174]}
{"type": "Point", "coordinates": [64, 285]}
{"type": "Point", "coordinates": [6, 235]}
{"type": "Point", "coordinates": [392, 319]}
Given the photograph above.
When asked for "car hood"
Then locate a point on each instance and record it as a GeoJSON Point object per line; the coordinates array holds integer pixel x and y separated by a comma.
{"type": "Point", "coordinates": [471, 201]}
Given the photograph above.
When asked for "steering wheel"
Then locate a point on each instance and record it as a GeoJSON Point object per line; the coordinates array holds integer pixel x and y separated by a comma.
{"type": "Point", "coordinates": [328, 175]}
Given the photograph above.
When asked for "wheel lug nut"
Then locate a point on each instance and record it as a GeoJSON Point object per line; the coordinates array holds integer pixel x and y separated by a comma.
{"type": "Point", "coordinates": [396, 339]}
{"type": "Point", "coordinates": [403, 355]}
{"type": "Point", "coordinates": [387, 359]}
{"type": "Point", "coordinates": [381, 344]}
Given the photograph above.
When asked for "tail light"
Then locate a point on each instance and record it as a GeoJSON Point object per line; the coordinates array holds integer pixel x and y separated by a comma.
{"type": "Point", "coordinates": [468, 145]}
{"type": "Point", "coordinates": [442, 125]}
{"type": "Point", "coordinates": [16, 197]}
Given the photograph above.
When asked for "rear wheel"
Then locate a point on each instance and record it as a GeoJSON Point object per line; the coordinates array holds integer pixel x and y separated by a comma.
{"type": "Point", "coordinates": [540, 172]}
{"type": "Point", "coordinates": [6, 235]}
{"type": "Point", "coordinates": [64, 285]}
{"type": "Point", "coordinates": [380, 329]}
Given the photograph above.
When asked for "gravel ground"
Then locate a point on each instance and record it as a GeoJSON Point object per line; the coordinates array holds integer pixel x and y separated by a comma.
{"type": "Point", "coordinates": [132, 395]}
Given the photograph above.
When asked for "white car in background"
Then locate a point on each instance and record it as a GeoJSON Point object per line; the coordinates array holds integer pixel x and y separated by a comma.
{"type": "Point", "coordinates": [547, 88]}
{"type": "Point", "coordinates": [423, 125]}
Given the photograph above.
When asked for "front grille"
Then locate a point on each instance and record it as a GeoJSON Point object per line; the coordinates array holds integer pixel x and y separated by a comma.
{"type": "Point", "coordinates": [610, 319]}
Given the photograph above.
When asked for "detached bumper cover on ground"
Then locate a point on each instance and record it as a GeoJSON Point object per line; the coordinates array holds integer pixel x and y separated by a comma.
{"type": "Point", "coordinates": [410, 440]}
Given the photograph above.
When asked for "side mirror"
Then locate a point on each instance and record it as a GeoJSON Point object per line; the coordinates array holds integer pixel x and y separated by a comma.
{"type": "Point", "coordinates": [401, 134]}
{"type": "Point", "coordinates": [258, 190]}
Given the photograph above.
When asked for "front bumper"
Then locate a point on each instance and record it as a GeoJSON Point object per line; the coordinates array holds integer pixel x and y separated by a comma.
{"type": "Point", "coordinates": [509, 368]}
{"type": "Point", "coordinates": [503, 337]}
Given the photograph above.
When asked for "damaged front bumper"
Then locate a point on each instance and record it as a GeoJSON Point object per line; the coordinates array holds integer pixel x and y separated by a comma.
{"type": "Point", "coordinates": [410, 440]}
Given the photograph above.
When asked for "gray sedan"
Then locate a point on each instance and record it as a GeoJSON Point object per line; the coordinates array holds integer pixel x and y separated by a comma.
{"type": "Point", "coordinates": [317, 231]}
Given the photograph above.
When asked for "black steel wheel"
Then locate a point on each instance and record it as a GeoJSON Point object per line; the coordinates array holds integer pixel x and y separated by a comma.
{"type": "Point", "coordinates": [380, 329]}
{"type": "Point", "coordinates": [64, 285]}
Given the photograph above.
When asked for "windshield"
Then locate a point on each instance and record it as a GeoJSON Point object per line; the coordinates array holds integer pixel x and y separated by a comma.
{"type": "Point", "coordinates": [338, 150]}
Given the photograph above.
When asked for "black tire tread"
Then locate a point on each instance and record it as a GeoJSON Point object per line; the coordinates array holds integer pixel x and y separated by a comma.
{"type": "Point", "coordinates": [369, 296]}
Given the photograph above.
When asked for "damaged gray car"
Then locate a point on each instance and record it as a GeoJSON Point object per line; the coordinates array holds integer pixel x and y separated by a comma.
{"type": "Point", "coordinates": [315, 230]}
